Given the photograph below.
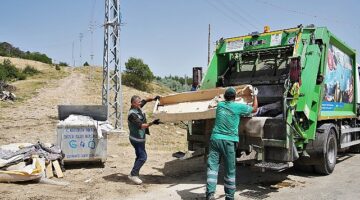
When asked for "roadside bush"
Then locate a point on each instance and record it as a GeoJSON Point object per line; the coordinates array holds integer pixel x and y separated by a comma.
{"type": "Point", "coordinates": [21, 76]}
{"type": "Point", "coordinates": [63, 64]}
{"type": "Point", "coordinates": [8, 71]}
{"type": "Point", "coordinates": [30, 71]}
{"type": "Point", "coordinates": [57, 67]}
{"type": "Point", "coordinates": [3, 73]}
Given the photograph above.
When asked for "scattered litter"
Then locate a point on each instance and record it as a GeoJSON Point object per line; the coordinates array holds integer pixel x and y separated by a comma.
{"type": "Point", "coordinates": [6, 92]}
{"type": "Point", "coordinates": [25, 162]}
{"type": "Point", "coordinates": [6, 95]}
{"type": "Point", "coordinates": [88, 180]}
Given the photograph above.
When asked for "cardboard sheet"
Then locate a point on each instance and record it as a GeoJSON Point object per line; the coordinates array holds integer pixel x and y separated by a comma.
{"type": "Point", "coordinates": [195, 105]}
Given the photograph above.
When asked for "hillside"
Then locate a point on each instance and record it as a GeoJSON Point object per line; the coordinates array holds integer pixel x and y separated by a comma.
{"type": "Point", "coordinates": [28, 88]}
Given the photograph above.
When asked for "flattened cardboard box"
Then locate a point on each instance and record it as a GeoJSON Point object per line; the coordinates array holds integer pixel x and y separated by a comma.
{"type": "Point", "coordinates": [195, 105]}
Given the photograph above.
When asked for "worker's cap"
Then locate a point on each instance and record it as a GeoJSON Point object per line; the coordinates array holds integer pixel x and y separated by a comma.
{"type": "Point", "coordinates": [230, 92]}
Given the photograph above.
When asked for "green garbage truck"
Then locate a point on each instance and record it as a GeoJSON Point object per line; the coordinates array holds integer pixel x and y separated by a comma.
{"type": "Point", "coordinates": [307, 80]}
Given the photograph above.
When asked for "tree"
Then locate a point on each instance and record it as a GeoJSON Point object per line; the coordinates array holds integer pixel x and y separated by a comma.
{"type": "Point", "coordinates": [63, 64]}
{"type": "Point", "coordinates": [137, 74]}
{"type": "Point", "coordinates": [6, 49]}
{"type": "Point", "coordinates": [86, 64]}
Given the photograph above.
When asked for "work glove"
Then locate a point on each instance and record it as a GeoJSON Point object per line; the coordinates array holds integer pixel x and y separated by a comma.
{"type": "Point", "coordinates": [156, 122]}
{"type": "Point", "coordinates": [254, 91]}
{"type": "Point", "coordinates": [157, 98]}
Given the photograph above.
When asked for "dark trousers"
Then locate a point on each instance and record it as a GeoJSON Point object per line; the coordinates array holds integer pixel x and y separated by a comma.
{"type": "Point", "coordinates": [141, 157]}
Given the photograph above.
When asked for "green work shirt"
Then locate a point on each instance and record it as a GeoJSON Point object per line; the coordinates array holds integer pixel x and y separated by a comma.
{"type": "Point", "coordinates": [227, 120]}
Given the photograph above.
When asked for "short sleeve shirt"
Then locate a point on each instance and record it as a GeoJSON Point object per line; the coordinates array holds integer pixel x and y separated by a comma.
{"type": "Point", "coordinates": [227, 120]}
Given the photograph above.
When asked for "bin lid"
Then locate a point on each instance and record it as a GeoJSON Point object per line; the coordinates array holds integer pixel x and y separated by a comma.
{"type": "Point", "coordinates": [97, 112]}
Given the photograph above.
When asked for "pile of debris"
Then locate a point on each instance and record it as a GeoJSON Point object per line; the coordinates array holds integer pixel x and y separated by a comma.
{"type": "Point", "coordinates": [26, 162]}
{"type": "Point", "coordinates": [7, 91]}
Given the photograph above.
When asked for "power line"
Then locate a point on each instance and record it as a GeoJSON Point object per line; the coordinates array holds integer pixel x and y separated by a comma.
{"type": "Point", "coordinates": [332, 20]}
{"type": "Point", "coordinates": [236, 13]}
{"type": "Point", "coordinates": [235, 20]}
{"type": "Point", "coordinates": [248, 14]}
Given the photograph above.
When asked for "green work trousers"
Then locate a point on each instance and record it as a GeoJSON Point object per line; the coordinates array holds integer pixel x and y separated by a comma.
{"type": "Point", "coordinates": [226, 150]}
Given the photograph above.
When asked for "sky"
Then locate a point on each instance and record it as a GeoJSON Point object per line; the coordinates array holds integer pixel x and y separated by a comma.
{"type": "Point", "coordinates": [171, 36]}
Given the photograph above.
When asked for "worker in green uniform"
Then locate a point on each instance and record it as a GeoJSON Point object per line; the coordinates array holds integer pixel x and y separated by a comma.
{"type": "Point", "coordinates": [223, 142]}
{"type": "Point", "coordinates": [139, 127]}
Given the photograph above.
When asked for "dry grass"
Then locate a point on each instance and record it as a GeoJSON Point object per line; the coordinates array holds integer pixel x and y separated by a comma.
{"type": "Point", "coordinates": [22, 63]}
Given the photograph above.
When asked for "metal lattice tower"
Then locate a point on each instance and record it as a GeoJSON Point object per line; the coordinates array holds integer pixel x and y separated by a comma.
{"type": "Point", "coordinates": [111, 89]}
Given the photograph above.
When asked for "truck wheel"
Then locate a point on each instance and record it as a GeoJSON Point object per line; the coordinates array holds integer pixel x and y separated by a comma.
{"type": "Point", "coordinates": [328, 158]}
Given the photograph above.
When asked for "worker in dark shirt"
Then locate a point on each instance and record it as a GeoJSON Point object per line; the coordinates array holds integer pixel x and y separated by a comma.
{"type": "Point", "coordinates": [138, 128]}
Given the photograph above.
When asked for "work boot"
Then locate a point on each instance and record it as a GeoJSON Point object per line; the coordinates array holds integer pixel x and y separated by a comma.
{"type": "Point", "coordinates": [210, 196]}
{"type": "Point", "coordinates": [135, 179]}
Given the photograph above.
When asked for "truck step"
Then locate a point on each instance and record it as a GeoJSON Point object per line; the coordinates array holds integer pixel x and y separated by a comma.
{"type": "Point", "coordinates": [273, 166]}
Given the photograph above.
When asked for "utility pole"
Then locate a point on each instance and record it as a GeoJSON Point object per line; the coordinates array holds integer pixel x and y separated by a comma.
{"type": "Point", "coordinates": [208, 61]}
{"type": "Point", "coordinates": [72, 54]}
{"type": "Point", "coordinates": [112, 79]}
{"type": "Point", "coordinates": [81, 35]}
{"type": "Point", "coordinates": [91, 29]}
